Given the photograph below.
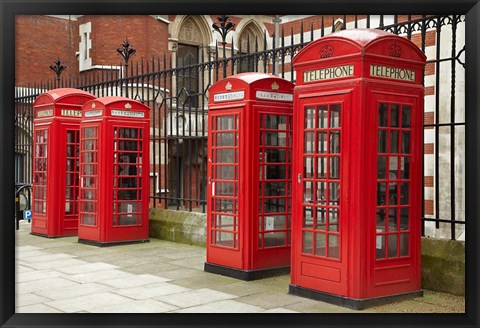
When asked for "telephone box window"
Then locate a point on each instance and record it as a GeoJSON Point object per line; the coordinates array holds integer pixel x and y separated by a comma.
{"type": "Point", "coordinates": [224, 181]}
{"type": "Point", "coordinates": [322, 138]}
{"type": "Point", "coordinates": [40, 172]}
{"type": "Point", "coordinates": [393, 180]}
{"type": "Point", "coordinates": [274, 180]}
{"type": "Point", "coordinates": [127, 168]}
{"type": "Point", "coordinates": [72, 170]}
{"type": "Point", "coordinates": [89, 172]}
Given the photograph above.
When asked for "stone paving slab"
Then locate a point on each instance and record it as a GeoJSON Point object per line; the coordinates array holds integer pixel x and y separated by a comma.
{"type": "Point", "coordinates": [160, 277]}
{"type": "Point", "coordinates": [134, 281]}
{"type": "Point", "coordinates": [86, 268]}
{"type": "Point", "coordinates": [30, 299]}
{"type": "Point", "coordinates": [63, 263]}
{"type": "Point", "coordinates": [227, 306]}
{"type": "Point", "coordinates": [77, 290]}
{"type": "Point", "coordinates": [99, 276]}
{"type": "Point", "coordinates": [42, 284]}
{"type": "Point", "coordinates": [36, 308]}
{"type": "Point", "coordinates": [135, 306]}
{"type": "Point", "coordinates": [151, 291]}
{"type": "Point", "coordinates": [36, 275]}
{"type": "Point", "coordinates": [195, 297]}
{"type": "Point", "coordinates": [89, 302]}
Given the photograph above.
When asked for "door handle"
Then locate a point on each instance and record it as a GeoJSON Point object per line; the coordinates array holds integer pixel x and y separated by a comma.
{"type": "Point", "coordinates": [299, 178]}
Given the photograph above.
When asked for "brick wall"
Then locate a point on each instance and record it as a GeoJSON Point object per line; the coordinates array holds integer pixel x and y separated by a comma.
{"type": "Point", "coordinates": [35, 52]}
{"type": "Point", "coordinates": [146, 34]}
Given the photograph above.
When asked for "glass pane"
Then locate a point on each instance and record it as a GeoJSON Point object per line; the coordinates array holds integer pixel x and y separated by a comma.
{"type": "Point", "coordinates": [394, 112]}
{"type": "Point", "coordinates": [380, 246]}
{"type": "Point", "coordinates": [405, 167]}
{"type": "Point", "coordinates": [333, 247]}
{"type": "Point", "coordinates": [88, 219]}
{"type": "Point", "coordinates": [70, 136]}
{"type": "Point", "coordinates": [381, 213]}
{"type": "Point", "coordinates": [71, 150]}
{"type": "Point", "coordinates": [70, 164]}
{"type": "Point", "coordinates": [225, 172]}
{"type": "Point", "coordinates": [404, 219]}
{"type": "Point", "coordinates": [275, 188]}
{"type": "Point", "coordinates": [225, 239]}
{"type": "Point", "coordinates": [308, 167]}
{"type": "Point", "coordinates": [225, 156]}
{"type": "Point", "coordinates": [392, 245]}
{"type": "Point", "coordinates": [381, 193]}
{"type": "Point", "coordinates": [334, 193]}
{"type": "Point", "coordinates": [381, 167]}
{"type": "Point", "coordinates": [309, 142]}
{"type": "Point", "coordinates": [224, 188]}
{"type": "Point", "coordinates": [404, 193]}
{"type": "Point", "coordinates": [406, 113]}
{"type": "Point", "coordinates": [321, 244]}
{"type": "Point", "coordinates": [225, 139]}
{"type": "Point", "coordinates": [307, 217]}
{"type": "Point", "coordinates": [382, 141]}
{"type": "Point", "coordinates": [393, 141]}
{"type": "Point", "coordinates": [322, 117]}
{"type": "Point", "coordinates": [89, 132]}
{"type": "Point", "coordinates": [275, 139]}
{"type": "Point", "coordinates": [392, 219]}
{"type": "Point", "coordinates": [308, 192]}
{"type": "Point", "coordinates": [393, 197]}
{"type": "Point", "coordinates": [225, 123]}
{"type": "Point", "coordinates": [406, 142]}
{"type": "Point", "coordinates": [322, 142]}
{"type": "Point", "coordinates": [224, 205]}
{"type": "Point", "coordinates": [307, 242]}
{"type": "Point", "coordinates": [334, 167]}
{"type": "Point", "coordinates": [333, 219]}
{"type": "Point", "coordinates": [322, 167]}
{"type": "Point", "coordinates": [321, 192]}
{"type": "Point", "coordinates": [393, 168]}
{"type": "Point", "coordinates": [225, 222]}
{"type": "Point", "coordinates": [321, 218]}
{"type": "Point", "coordinates": [275, 205]}
{"type": "Point", "coordinates": [404, 244]}
{"type": "Point", "coordinates": [276, 156]}
{"type": "Point", "coordinates": [382, 115]}
{"type": "Point", "coordinates": [309, 117]}
{"type": "Point", "coordinates": [335, 142]}
{"type": "Point", "coordinates": [277, 172]}
{"type": "Point", "coordinates": [275, 239]}
{"type": "Point", "coordinates": [335, 116]}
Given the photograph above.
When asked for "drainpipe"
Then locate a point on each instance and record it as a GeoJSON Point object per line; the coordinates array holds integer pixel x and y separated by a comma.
{"type": "Point", "coordinates": [276, 22]}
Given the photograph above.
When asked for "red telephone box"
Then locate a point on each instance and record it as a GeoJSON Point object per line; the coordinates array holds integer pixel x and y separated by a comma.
{"type": "Point", "coordinates": [249, 167]}
{"type": "Point", "coordinates": [114, 171]}
{"type": "Point", "coordinates": [358, 169]}
{"type": "Point", "coordinates": [57, 115]}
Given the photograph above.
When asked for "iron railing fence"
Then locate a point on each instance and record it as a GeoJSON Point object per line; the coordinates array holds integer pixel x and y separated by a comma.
{"type": "Point", "coordinates": [177, 93]}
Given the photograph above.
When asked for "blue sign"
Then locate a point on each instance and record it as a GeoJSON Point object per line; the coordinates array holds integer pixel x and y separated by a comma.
{"type": "Point", "coordinates": [27, 214]}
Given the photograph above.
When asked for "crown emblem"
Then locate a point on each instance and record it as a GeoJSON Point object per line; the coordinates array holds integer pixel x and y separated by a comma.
{"type": "Point", "coordinates": [228, 86]}
{"type": "Point", "coordinates": [93, 105]}
{"type": "Point", "coordinates": [326, 52]}
{"type": "Point", "coordinates": [394, 50]}
{"type": "Point", "coordinates": [128, 106]}
{"type": "Point", "coordinates": [275, 86]}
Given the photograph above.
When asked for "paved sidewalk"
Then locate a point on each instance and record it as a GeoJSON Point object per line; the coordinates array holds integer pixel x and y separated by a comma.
{"type": "Point", "coordinates": [61, 275]}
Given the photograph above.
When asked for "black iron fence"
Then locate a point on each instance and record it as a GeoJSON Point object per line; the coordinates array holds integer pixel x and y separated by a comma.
{"type": "Point", "coordinates": [176, 89]}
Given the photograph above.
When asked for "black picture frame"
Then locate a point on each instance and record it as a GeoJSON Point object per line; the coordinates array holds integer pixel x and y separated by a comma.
{"type": "Point", "coordinates": [10, 8]}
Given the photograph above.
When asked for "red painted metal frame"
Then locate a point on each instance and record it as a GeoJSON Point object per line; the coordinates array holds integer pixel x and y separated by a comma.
{"type": "Point", "coordinates": [57, 113]}
{"type": "Point", "coordinates": [246, 256]}
{"type": "Point", "coordinates": [358, 274]}
{"type": "Point", "coordinates": [107, 215]}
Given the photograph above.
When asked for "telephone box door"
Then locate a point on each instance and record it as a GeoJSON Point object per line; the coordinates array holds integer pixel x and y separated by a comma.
{"type": "Point", "coordinates": [321, 237]}
{"type": "Point", "coordinates": [396, 242]}
{"type": "Point", "coordinates": [223, 225]}
{"type": "Point", "coordinates": [128, 193]}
